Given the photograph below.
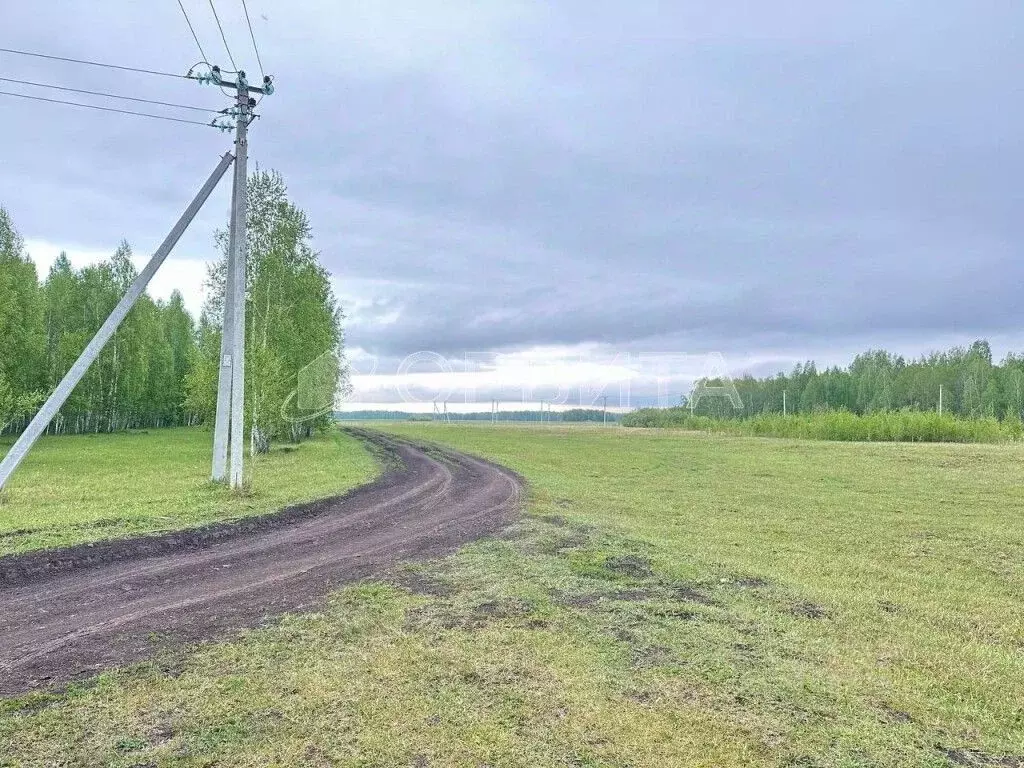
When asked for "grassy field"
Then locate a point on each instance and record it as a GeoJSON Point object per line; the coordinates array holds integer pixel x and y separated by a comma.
{"type": "Point", "coordinates": [85, 488]}
{"type": "Point", "coordinates": [672, 599]}
{"type": "Point", "coordinates": [879, 426]}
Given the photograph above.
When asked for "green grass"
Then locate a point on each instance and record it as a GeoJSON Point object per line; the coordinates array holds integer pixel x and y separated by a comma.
{"type": "Point", "coordinates": [886, 426]}
{"type": "Point", "coordinates": [79, 489]}
{"type": "Point", "coordinates": [673, 599]}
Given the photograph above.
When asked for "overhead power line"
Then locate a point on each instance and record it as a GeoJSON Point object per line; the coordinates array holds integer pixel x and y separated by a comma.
{"type": "Point", "coordinates": [253, 36]}
{"type": "Point", "coordinates": [105, 109]}
{"type": "Point", "coordinates": [193, 31]}
{"type": "Point", "coordinates": [222, 36]}
{"type": "Point", "coordinates": [90, 63]}
{"type": "Point", "coordinates": [107, 95]}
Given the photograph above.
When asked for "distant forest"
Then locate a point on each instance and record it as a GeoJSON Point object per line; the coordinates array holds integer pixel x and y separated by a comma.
{"type": "Point", "coordinates": [570, 415]}
{"type": "Point", "coordinates": [972, 386]}
{"type": "Point", "coordinates": [139, 379]}
{"type": "Point", "coordinates": [160, 369]}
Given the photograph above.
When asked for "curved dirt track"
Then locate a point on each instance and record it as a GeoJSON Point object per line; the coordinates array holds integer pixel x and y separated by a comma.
{"type": "Point", "coordinates": [67, 614]}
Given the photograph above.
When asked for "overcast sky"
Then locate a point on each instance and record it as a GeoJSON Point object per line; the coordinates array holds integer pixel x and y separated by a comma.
{"type": "Point", "coordinates": [549, 181]}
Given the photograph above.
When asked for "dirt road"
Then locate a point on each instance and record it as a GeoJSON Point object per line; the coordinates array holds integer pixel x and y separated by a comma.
{"type": "Point", "coordinates": [69, 613]}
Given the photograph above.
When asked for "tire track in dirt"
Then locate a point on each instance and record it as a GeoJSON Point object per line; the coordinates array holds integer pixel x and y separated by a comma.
{"type": "Point", "coordinates": [67, 614]}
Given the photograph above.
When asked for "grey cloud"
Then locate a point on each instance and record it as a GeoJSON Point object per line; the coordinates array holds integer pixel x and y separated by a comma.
{"type": "Point", "coordinates": [795, 175]}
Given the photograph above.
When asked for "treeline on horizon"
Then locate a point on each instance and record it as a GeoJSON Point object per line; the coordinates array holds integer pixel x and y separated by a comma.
{"type": "Point", "coordinates": [160, 368]}
{"type": "Point", "coordinates": [879, 396]}
{"type": "Point", "coordinates": [972, 386]}
{"type": "Point", "coordinates": [574, 415]}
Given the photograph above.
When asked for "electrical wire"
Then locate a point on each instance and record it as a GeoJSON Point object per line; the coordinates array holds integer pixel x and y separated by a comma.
{"type": "Point", "coordinates": [105, 109]}
{"type": "Point", "coordinates": [90, 63]}
{"type": "Point", "coordinates": [253, 36]}
{"type": "Point", "coordinates": [194, 35]}
{"type": "Point", "coordinates": [222, 36]}
{"type": "Point", "coordinates": [107, 95]}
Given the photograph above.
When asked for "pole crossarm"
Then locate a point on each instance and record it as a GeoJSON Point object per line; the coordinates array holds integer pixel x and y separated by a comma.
{"type": "Point", "coordinates": [244, 104]}
{"type": "Point", "coordinates": [67, 385]}
{"type": "Point", "coordinates": [215, 78]}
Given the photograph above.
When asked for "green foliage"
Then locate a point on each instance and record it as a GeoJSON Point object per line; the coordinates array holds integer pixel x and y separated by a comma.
{"type": "Point", "coordinates": [971, 384]}
{"type": "Point", "coordinates": [21, 338]}
{"type": "Point", "coordinates": [159, 369]}
{"type": "Point", "coordinates": [292, 318]}
{"type": "Point", "coordinates": [586, 414]}
{"type": "Point", "coordinates": [899, 426]}
{"type": "Point", "coordinates": [139, 377]}
{"type": "Point", "coordinates": [15, 405]}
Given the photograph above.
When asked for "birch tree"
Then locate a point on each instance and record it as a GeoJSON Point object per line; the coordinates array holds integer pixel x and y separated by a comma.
{"type": "Point", "coordinates": [292, 318]}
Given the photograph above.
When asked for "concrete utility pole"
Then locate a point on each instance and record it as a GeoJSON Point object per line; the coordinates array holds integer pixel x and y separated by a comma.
{"type": "Point", "coordinates": [53, 404]}
{"type": "Point", "coordinates": [940, 399]}
{"type": "Point", "coordinates": [238, 244]}
{"type": "Point", "coordinates": [222, 423]}
{"type": "Point", "coordinates": [604, 409]}
{"type": "Point", "coordinates": [229, 427]}
{"type": "Point", "coordinates": [783, 402]}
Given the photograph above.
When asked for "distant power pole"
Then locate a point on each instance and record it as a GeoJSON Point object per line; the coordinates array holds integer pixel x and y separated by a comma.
{"type": "Point", "coordinates": [440, 415]}
{"type": "Point", "coordinates": [230, 424]}
{"type": "Point", "coordinates": [604, 416]}
{"type": "Point", "coordinates": [783, 402]}
{"type": "Point", "coordinates": [940, 399]}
